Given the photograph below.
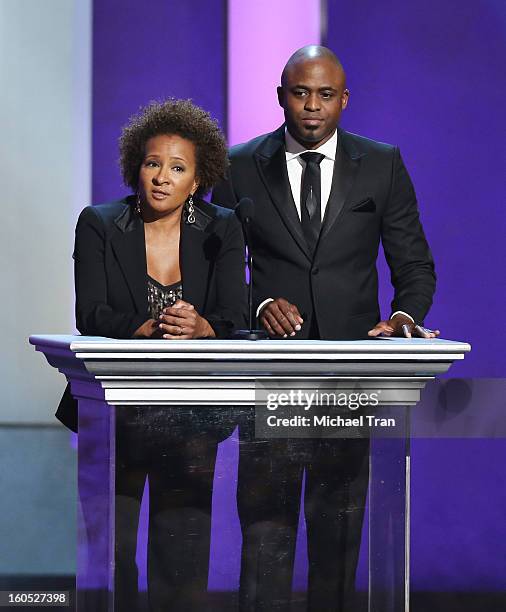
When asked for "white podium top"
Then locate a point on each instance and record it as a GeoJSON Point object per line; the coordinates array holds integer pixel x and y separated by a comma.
{"type": "Point", "coordinates": [210, 372]}
{"type": "Point", "coordinates": [96, 347]}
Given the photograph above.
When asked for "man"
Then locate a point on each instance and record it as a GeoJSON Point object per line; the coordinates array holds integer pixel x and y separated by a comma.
{"type": "Point", "coordinates": [324, 199]}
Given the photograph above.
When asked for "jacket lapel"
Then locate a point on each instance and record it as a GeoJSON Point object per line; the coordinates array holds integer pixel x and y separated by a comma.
{"type": "Point", "coordinates": [129, 246]}
{"type": "Point", "coordinates": [195, 259]}
{"type": "Point", "coordinates": [271, 163]}
{"type": "Point", "coordinates": [345, 171]}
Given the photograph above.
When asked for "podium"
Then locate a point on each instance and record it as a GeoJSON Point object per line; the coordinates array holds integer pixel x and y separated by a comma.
{"type": "Point", "coordinates": [107, 375]}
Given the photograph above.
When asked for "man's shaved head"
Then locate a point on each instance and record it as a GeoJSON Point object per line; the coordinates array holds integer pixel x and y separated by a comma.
{"type": "Point", "coordinates": [311, 52]}
{"type": "Point", "coordinates": [313, 94]}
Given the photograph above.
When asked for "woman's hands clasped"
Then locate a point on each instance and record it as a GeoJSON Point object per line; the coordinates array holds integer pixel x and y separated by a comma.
{"type": "Point", "coordinates": [178, 322]}
{"type": "Point", "coordinates": [182, 322]}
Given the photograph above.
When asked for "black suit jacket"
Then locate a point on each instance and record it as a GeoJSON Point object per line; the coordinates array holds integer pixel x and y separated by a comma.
{"type": "Point", "coordinates": [110, 274]}
{"type": "Point", "coordinates": [371, 199]}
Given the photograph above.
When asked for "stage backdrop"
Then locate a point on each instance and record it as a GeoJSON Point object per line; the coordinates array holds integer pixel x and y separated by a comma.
{"type": "Point", "coordinates": [429, 77]}
{"type": "Point", "coordinates": [151, 52]}
{"type": "Point", "coordinates": [45, 104]}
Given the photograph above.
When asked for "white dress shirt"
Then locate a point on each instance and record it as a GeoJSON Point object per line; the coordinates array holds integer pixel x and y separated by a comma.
{"type": "Point", "coordinates": [296, 166]}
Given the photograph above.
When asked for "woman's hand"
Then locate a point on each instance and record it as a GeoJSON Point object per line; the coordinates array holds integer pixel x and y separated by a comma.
{"type": "Point", "coordinates": [183, 322]}
{"type": "Point", "coordinates": [149, 329]}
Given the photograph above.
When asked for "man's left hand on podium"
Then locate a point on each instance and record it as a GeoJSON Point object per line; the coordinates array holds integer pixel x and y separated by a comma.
{"type": "Point", "coordinates": [402, 326]}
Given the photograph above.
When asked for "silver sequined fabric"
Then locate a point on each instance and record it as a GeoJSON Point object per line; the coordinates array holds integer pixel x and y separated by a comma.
{"type": "Point", "coordinates": [160, 296]}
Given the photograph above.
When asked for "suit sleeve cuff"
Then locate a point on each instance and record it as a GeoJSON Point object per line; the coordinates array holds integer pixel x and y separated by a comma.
{"type": "Point", "coordinates": [402, 313]}
{"type": "Point", "coordinates": [264, 303]}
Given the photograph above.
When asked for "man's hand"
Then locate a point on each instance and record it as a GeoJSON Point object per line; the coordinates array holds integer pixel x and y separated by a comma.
{"type": "Point", "coordinates": [402, 326]}
{"type": "Point", "coordinates": [280, 318]}
{"type": "Point", "coordinates": [183, 322]}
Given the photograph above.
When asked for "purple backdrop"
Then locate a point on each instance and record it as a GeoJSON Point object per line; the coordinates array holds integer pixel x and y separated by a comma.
{"type": "Point", "coordinates": [429, 77]}
{"type": "Point", "coordinates": [143, 52]}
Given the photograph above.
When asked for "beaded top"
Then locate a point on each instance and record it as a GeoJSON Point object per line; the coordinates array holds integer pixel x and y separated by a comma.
{"type": "Point", "coordinates": [162, 296]}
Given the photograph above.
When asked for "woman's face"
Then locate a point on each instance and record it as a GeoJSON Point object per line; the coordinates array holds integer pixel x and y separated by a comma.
{"type": "Point", "coordinates": [167, 175]}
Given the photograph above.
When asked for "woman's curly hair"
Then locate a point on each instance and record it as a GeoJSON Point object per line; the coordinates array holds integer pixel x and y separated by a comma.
{"type": "Point", "coordinates": [179, 117]}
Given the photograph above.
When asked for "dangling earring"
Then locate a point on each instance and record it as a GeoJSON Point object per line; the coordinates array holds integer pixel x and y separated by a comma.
{"type": "Point", "coordinates": [138, 204]}
{"type": "Point", "coordinates": [190, 210]}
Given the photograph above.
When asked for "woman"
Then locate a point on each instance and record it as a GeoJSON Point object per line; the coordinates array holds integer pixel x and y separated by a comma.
{"type": "Point", "coordinates": [163, 264]}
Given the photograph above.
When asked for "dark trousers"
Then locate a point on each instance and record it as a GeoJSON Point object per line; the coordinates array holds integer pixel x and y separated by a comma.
{"type": "Point", "coordinates": [176, 449]}
{"type": "Point", "coordinates": [269, 492]}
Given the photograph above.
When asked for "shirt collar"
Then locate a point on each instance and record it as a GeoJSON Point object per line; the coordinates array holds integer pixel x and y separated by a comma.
{"type": "Point", "coordinates": [294, 148]}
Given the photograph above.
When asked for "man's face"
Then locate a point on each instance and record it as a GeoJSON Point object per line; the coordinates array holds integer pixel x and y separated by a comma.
{"type": "Point", "coordinates": [313, 96]}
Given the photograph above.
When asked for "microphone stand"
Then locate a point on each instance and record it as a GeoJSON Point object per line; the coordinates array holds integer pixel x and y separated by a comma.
{"type": "Point", "coordinates": [249, 334]}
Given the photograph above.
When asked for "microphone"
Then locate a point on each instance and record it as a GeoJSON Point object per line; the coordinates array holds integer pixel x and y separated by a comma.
{"type": "Point", "coordinates": [245, 211]}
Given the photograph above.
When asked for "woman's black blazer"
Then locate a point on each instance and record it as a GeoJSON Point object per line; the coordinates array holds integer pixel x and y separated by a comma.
{"type": "Point", "coordinates": [111, 274]}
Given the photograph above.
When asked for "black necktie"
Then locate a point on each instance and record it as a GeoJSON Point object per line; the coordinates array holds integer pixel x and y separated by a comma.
{"type": "Point", "coordinates": [310, 199]}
